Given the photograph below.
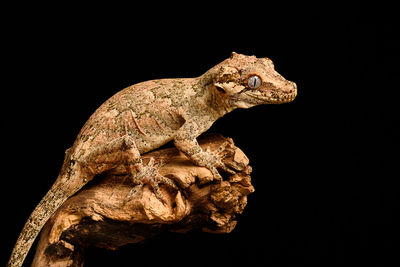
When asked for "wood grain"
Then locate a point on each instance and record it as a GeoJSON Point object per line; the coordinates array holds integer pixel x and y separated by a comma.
{"type": "Point", "coordinates": [100, 214]}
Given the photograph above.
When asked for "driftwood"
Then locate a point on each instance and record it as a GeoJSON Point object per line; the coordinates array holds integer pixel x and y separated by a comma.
{"type": "Point", "coordinates": [102, 215]}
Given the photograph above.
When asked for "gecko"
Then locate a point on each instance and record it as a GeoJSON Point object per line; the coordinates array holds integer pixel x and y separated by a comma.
{"type": "Point", "coordinates": [149, 114]}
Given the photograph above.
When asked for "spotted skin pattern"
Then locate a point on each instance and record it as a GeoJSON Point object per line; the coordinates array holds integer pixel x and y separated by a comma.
{"type": "Point", "coordinates": [144, 116]}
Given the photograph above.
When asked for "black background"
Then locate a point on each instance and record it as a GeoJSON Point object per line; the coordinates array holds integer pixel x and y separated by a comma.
{"type": "Point", "coordinates": [323, 165]}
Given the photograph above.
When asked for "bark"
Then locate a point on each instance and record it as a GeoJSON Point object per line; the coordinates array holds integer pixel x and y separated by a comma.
{"type": "Point", "coordinates": [101, 215]}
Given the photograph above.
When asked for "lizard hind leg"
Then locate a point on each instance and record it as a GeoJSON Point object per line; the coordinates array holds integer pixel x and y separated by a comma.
{"type": "Point", "coordinates": [121, 151]}
{"type": "Point", "coordinates": [148, 175]}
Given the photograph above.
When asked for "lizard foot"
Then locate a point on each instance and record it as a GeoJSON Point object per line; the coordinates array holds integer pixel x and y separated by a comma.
{"type": "Point", "coordinates": [212, 162]}
{"type": "Point", "coordinates": [148, 175]}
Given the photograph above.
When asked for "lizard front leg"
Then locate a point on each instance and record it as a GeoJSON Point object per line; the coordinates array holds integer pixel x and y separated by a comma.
{"type": "Point", "coordinates": [186, 142]}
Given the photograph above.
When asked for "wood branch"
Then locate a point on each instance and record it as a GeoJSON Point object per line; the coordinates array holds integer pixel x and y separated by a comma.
{"type": "Point", "coordinates": [101, 215]}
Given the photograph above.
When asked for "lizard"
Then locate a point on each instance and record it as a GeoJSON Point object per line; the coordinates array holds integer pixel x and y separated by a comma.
{"type": "Point", "coordinates": [149, 114]}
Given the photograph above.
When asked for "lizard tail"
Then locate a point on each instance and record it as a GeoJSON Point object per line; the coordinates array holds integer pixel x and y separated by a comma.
{"type": "Point", "coordinates": [68, 183]}
{"type": "Point", "coordinates": [54, 198]}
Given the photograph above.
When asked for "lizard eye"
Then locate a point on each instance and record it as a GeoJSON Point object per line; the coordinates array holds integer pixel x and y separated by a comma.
{"type": "Point", "coordinates": [254, 81]}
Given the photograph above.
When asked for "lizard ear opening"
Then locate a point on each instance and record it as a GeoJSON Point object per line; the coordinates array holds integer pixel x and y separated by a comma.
{"type": "Point", "coordinates": [229, 87]}
{"type": "Point", "coordinates": [228, 80]}
{"type": "Point", "coordinates": [220, 87]}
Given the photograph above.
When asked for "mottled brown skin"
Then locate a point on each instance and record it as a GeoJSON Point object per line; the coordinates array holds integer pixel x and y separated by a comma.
{"type": "Point", "coordinates": [143, 117]}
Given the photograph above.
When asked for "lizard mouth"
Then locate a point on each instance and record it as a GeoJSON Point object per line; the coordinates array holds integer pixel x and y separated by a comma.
{"type": "Point", "coordinates": [260, 98]}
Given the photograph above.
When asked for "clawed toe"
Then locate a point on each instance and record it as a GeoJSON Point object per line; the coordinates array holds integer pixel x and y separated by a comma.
{"type": "Point", "coordinates": [155, 185]}
{"type": "Point", "coordinates": [226, 169]}
{"type": "Point", "coordinates": [134, 191]}
{"type": "Point", "coordinates": [148, 175]}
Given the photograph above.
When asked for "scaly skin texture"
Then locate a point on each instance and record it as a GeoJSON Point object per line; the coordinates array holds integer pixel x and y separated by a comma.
{"type": "Point", "coordinates": [144, 116]}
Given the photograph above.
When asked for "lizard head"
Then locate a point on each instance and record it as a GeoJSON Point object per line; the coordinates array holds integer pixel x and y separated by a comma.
{"type": "Point", "coordinates": [247, 81]}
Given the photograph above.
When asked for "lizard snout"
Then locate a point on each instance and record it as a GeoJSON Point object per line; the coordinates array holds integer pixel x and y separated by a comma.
{"type": "Point", "coordinates": [294, 88]}
{"type": "Point", "coordinates": [290, 90]}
